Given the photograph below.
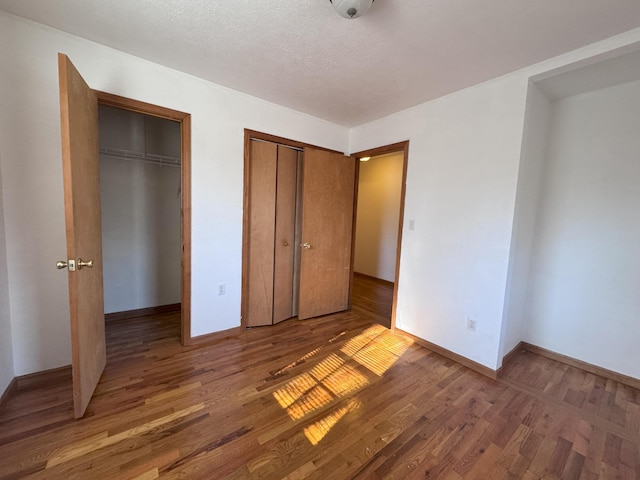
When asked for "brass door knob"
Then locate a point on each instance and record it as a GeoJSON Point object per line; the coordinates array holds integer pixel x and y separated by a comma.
{"type": "Point", "coordinates": [82, 264]}
{"type": "Point", "coordinates": [306, 245]}
{"type": "Point", "coordinates": [70, 264]}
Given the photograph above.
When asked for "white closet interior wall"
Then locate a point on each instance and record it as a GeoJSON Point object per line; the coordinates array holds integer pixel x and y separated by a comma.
{"type": "Point", "coordinates": [140, 210]}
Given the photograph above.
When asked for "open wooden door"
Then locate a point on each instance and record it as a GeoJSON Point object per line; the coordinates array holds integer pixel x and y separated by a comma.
{"type": "Point", "coordinates": [79, 124]}
{"type": "Point", "coordinates": [328, 187]}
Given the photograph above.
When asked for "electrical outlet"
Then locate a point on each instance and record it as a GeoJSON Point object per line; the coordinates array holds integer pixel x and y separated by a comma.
{"type": "Point", "coordinates": [222, 289]}
{"type": "Point", "coordinates": [471, 324]}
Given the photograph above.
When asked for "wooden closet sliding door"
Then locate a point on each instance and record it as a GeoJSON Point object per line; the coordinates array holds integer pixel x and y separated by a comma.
{"type": "Point", "coordinates": [273, 172]}
{"type": "Point", "coordinates": [284, 247]}
{"type": "Point", "coordinates": [328, 187]}
{"type": "Point", "coordinates": [299, 233]}
{"type": "Point", "coordinates": [261, 255]}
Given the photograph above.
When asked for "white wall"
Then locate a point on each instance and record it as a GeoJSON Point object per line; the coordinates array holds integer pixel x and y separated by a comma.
{"type": "Point", "coordinates": [6, 349]}
{"type": "Point", "coordinates": [583, 298]}
{"type": "Point", "coordinates": [140, 234]}
{"type": "Point", "coordinates": [379, 194]}
{"type": "Point", "coordinates": [462, 177]}
{"type": "Point", "coordinates": [463, 157]}
{"type": "Point", "coordinates": [32, 177]}
{"type": "Point", "coordinates": [534, 150]}
{"type": "Point", "coordinates": [140, 212]}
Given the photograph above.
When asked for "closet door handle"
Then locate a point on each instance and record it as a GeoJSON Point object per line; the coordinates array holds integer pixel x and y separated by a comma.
{"type": "Point", "coordinates": [71, 264]}
{"type": "Point", "coordinates": [285, 243]}
{"type": "Point", "coordinates": [82, 263]}
{"type": "Point", "coordinates": [306, 245]}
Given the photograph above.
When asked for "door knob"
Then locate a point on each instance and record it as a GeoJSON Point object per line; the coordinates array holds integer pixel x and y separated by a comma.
{"type": "Point", "coordinates": [82, 263]}
{"type": "Point", "coordinates": [71, 264]}
{"type": "Point", "coordinates": [285, 243]}
{"type": "Point", "coordinates": [306, 245]}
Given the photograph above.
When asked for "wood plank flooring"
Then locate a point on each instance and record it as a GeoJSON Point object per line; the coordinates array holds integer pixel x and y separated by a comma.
{"type": "Point", "coordinates": [373, 298]}
{"type": "Point", "coordinates": [339, 397]}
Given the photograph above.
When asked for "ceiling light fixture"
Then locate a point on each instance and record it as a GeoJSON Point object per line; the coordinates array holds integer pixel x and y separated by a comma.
{"type": "Point", "coordinates": [351, 8]}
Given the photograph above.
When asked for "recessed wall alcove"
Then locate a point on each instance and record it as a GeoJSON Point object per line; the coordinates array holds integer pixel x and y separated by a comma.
{"type": "Point", "coordinates": [574, 272]}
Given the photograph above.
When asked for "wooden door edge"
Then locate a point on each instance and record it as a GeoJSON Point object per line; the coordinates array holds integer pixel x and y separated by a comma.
{"type": "Point", "coordinates": [185, 231]}
{"type": "Point", "coordinates": [354, 220]}
{"type": "Point", "coordinates": [245, 232]}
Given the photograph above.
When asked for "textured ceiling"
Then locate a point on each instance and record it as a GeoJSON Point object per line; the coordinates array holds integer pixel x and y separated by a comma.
{"type": "Point", "coordinates": [301, 54]}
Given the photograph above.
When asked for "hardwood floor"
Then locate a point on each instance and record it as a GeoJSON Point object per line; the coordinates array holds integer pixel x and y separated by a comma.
{"type": "Point", "coordinates": [373, 298]}
{"type": "Point", "coordinates": [338, 397]}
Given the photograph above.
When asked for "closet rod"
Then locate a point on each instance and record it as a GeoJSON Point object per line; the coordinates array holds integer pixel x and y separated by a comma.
{"type": "Point", "coordinates": [279, 144]}
{"type": "Point", "coordinates": [141, 157]}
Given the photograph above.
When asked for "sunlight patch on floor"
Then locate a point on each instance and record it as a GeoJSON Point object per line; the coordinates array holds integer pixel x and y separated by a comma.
{"type": "Point", "coordinates": [338, 375]}
{"type": "Point", "coordinates": [381, 352]}
{"type": "Point", "coordinates": [318, 430]}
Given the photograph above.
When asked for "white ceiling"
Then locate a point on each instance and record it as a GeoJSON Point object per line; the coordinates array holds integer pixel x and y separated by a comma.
{"type": "Point", "coordinates": [301, 54]}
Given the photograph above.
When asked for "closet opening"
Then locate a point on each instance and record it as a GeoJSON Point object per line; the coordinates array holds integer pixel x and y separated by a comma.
{"type": "Point", "coordinates": [144, 169]}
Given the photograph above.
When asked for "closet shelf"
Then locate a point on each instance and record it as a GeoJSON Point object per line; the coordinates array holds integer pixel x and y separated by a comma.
{"type": "Point", "coordinates": [151, 158]}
